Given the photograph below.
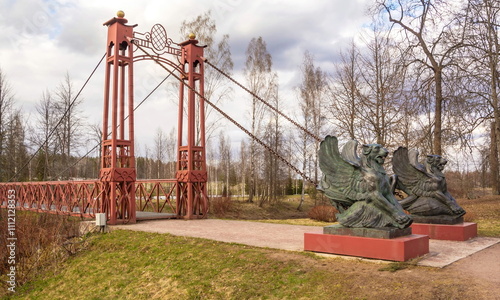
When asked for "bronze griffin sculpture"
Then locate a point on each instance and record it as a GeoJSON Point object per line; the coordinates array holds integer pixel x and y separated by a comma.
{"type": "Point", "coordinates": [359, 187]}
{"type": "Point", "coordinates": [425, 186]}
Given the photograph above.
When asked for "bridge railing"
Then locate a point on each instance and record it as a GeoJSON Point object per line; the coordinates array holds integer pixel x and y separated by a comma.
{"type": "Point", "coordinates": [77, 198]}
{"type": "Point", "coordinates": [83, 198]}
{"type": "Point", "coordinates": [156, 195]}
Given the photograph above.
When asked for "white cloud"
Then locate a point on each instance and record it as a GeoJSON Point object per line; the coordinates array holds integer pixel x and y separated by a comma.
{"type": "Point", "coordinates": [44, 39]}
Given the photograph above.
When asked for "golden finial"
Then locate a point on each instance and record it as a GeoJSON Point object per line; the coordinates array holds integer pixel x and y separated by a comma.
{"type": "Point", "coordinates": [192, 36]}
{"type": "Point", "coordinates": [120, 14]}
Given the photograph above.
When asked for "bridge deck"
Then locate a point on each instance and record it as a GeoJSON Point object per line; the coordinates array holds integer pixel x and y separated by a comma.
{"type": "Point", "coordinates": [146, 215]}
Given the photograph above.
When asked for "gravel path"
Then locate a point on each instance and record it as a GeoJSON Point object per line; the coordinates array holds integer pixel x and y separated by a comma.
{"type": "Point", "coordinates": [480, 256]}
{"type": "Point", "coordinates": [278, 236]}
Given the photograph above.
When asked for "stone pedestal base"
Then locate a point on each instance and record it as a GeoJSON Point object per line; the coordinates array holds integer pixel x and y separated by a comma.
{"type": "Point", "coordinates": [457, 232]}
{"type": "Point", "coordinates": [396, 249]}
{"type": "Point", "coordinates": [378, 233]}
{"type": "Point", "coordinates": [442, 219]}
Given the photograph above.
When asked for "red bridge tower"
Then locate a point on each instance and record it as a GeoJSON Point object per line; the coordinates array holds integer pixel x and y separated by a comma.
{"type": "Point", "coordinates": [192, 200]}
{"type": "Point", "coordinates": [118, 173]}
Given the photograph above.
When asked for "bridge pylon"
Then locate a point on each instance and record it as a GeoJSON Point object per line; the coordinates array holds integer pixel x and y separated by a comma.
{"type": "Point", "coordinates": [117, 171]}
{"type": "Point", "coordinates": [191, 173]}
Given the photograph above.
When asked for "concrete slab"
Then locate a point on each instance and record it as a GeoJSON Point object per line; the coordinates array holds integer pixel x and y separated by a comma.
{"type": "Point", "coordinates": [443, 253]}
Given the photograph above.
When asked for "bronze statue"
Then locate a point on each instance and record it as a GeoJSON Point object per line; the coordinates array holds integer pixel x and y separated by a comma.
{"type": "Point", "coordinates": [359, 187]}
{"type": "Point", "coordinates": [425, 186]}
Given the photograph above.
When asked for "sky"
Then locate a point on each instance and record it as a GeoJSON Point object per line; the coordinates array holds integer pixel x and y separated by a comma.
{"type": "Point", "coordinates": [43, 40]}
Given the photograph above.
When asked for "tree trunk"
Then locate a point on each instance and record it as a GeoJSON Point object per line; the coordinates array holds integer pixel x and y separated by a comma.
{"type": "Point", "coordinates": [495, 184]}
{"type": "Point", "coordinates": [438, 113]}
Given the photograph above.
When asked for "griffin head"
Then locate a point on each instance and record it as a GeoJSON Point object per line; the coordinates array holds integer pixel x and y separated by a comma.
{"type": "Point", "coordinates": [374, 155]}
{"type": "Point", "coordinates": [435, 164]}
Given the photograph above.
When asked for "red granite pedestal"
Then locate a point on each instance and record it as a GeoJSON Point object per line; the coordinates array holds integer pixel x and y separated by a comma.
{"type": "Point", "coordinates": [456, 232]}
{"type": "Point", "coordinates": [395, 249]}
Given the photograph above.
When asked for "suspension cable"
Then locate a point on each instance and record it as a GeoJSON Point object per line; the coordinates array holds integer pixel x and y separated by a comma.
{"type": "Point", "coordinates": [262, 100]}
{"type": "Point", "coordinates": [231, 119]}
{"type": "Point", "coordinates": [98, 144]}
{"type": "Point", "coordinates": [60, 120]}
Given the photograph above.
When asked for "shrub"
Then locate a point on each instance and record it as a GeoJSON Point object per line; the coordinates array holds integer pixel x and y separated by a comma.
{"type": "Point", "coordinates": [219, 206]}
{"type": "Point", "coordinates": [40, 243]}
{"type": "Point", "coordinates": [324, 213]}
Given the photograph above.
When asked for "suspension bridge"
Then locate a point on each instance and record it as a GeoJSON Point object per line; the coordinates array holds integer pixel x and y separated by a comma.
{"type": "Point", "coordinates": [117, 192]}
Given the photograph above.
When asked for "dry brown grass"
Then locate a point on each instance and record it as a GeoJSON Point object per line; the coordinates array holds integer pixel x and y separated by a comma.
{"type": "Point", "coordinates": [485, 211]}
{"type": "Point", "coordinates": [220, 206]}
{"type": "Point", "coordinates": [39, 245]}
{"type": "Point", "coordinates": [285, 208]}
{"type": "Point", "coordinates": [324, 213]}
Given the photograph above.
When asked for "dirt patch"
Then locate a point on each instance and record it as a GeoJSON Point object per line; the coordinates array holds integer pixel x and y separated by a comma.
{"type": "Point", "coordinates": [407, 282]}
{"type": "Point", "coordinates": [483, 265]}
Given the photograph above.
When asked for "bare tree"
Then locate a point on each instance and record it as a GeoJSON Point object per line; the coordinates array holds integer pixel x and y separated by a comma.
{"type": "Point", "coordinates": [6, 106]}
{"type": "Point", "coordinates": [171, 152]}
{"type": "Point", "coordinates": [312, 92]}
{"type": "Point", "coordinates": [243, 167]}
{"type": "Point", "coordinates": [212, 169]}
{"type": "Point", "coordinates": [148, 163]}
{"type": "Point", "coordinates": [95, 139]}
{"type": "Point", "coordinates": [433, 35]}
{"type": "Point", "coordinates": [273, 137]}
{"type": "Point", "coordinates": [15, 148]}
{"type": "Point", "coordinates": [258, 74]}
{"type": "Point", "coordinates": [218, 53]}
{"type": "Point", "coordinates": [225, 162]}
{"type": "Point", "coordinates": [380, 89]}
{"type": "Point", "coordinates": [344, 93]}
{"type": "Point", "coordinates": [483, 30]}
{"type": "Point", "coordinates": [160, 153]}
{"type": "Point", "coordinates": [41, 136]}
{"type": "Point", "coordinates": [68, 131]}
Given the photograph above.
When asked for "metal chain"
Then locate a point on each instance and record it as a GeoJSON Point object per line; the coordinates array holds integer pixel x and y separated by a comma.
{"type": "Point", "coordinates": [262, 100]}
{"type": "Point", "coordinates": [231, 119]}
{"type": "Point", "coordinates": [98, 144]}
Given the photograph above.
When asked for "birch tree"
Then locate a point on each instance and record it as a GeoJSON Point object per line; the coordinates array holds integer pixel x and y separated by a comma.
{"type": "Point", "coordinates": [258, 73]}
{"type": "Point", "coordinates": [312, 92]}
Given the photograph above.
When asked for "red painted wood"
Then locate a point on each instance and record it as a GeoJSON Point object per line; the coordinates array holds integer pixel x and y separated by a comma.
{"type": "Point", "coordinates": [397, 249]}
{"type": "Point", "coordinates": [456, 232]}
{"type": "Point", "coordinates": [117, 174]}
{"type": "Point", "coordinates": [191, 174]}
{"type": "Point", "coordinates": [114, 193]}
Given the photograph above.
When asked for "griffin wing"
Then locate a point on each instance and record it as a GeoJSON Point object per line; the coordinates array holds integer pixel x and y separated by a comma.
{"type": "Point", "coordinates": [412, 177]}
{"type": "Point", "coordinates": [341, 173]}
{"type": "Point", "coordinates": [349, 152]}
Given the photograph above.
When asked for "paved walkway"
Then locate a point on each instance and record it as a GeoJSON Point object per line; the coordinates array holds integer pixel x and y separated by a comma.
{"type": "Point", "coordinates": [291, 237]}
